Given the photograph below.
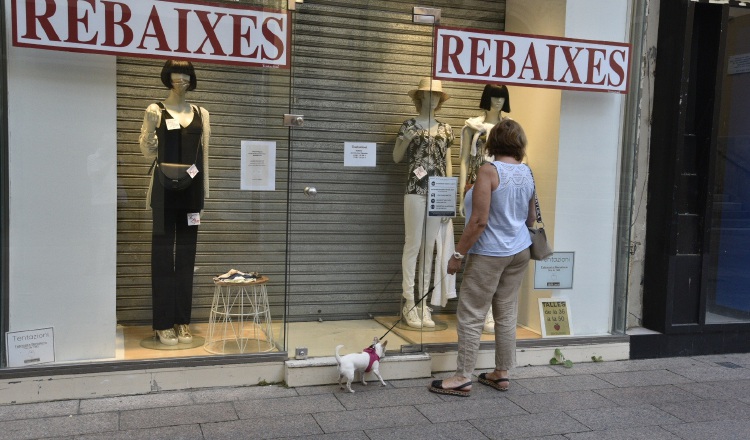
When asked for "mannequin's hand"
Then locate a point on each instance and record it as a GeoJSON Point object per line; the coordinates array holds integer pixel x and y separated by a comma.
{"type": "Point", "coordinates": [445, 219]}
{"type": "Point", "coordinates": [461, 209]}
{"type": "Point", "coordinates": [409, 135]}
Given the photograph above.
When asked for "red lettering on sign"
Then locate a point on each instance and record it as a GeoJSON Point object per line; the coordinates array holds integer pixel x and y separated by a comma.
{"type": "Point", "coordinates": [503, 59]}
{"type": "Point", "coordinates": [155, 22]}
{"type": "Point", "coordinates": [531, 63]}
{"type": "Point", "coordinates": [551, 51]}
{"type": "Point", "coordinates": [595, 66]}
{"type": "Point", "coordinates": [452, 57]}
{"type": "Point", "coordinates": [110, 22]}
{"type": "Point", "coordinates": [476, 55]}
{"type": "Point", "coordinates": [32, 18]}
{"type": "Point", "coordinates": [74, 20]}
{"type": "Point", "coordinates": [210, 30]}
{"type": "Point", "coordinates": [182, 30]}
{"type": "Point", "coordinates": [618, 68]}
{"type": "Point", "coordinates": [272, 38]}
{"type": "Point", "coordinates": [570, 61]}
{"type": "Point", "coordinates": [241, 35]}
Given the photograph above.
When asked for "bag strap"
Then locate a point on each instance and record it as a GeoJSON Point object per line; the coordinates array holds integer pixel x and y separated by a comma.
{"type": "Point", "coordinates": [536, 199]}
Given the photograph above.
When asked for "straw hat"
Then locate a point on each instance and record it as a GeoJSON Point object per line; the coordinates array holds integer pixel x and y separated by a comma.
{"type": "Point", "coordinates": [430, 85]}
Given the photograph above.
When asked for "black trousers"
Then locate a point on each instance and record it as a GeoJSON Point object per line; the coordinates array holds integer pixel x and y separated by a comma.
{"type": "Point", "coordinates": [173, 245]}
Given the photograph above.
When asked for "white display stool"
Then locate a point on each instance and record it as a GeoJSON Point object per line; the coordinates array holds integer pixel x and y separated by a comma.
{"type": "Point", "coordinates": [240, 319]}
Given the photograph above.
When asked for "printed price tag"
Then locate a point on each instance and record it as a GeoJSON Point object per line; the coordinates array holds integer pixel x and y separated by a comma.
{"type": "Point", "coordinates": [192, 171]}
{"type": "Point", "coordinates": [194, 218]}
{"type": "Point", "coordinates": [172, 124]}
{"type": "Point", "coordinates": [420, 173]}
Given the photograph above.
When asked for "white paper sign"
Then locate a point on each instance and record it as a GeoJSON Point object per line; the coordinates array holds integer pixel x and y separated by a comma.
{"type": "Point", "coordinates": [441, 196]}
{"type": "Point", "coordinates": [554, 272]}
{"type": "Point", "coordinates": [258, 166]}
{"type": "Point", "coordinates": [360, 154]}
{"type": "Point", "coordinates": [739, 64]}
{"type": "Point", "coordinates": [30, 347]}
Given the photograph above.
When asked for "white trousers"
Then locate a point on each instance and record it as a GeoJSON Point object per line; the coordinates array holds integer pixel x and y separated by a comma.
{"type": "Point", "coordinates": [420, 234]}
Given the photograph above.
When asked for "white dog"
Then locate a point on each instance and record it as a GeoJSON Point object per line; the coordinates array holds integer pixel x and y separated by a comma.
{"type": "Point", "coordinates": [368, 360]}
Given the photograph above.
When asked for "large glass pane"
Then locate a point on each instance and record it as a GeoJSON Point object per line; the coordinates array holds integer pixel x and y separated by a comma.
{"type": "Point", "coordinates": [729, 252]}
{"type": "Point", "coordinates": [92, 139]}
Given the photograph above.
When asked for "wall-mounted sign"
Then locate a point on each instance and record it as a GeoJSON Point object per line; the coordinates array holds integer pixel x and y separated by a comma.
{"type": "Point", "coordinates": [441, 196]}
{"type": "Point", "coordinates": [258, 166]}
{"type": "Point", "coordinates": [230, 33]}
{"type": "Point", "coordinates": [531, 60]}
{"type": "Point", "coordinates": [554, 315]}
{"type": "Point", "coordinates": [360, 154]}
{"type": "Point", "coordinates": [739, 64]}
{"type": "Point", "coordinates": [30, 347]}
{"type": "Point", "coordinates": [555, 271]}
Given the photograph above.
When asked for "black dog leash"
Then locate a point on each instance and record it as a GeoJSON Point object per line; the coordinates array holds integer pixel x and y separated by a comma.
{"type": "Point", "coordinates": [415, 305]}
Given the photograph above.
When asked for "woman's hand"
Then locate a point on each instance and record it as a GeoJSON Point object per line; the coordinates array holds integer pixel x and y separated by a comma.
{"type": "Point", "coordinates": [454, 265]}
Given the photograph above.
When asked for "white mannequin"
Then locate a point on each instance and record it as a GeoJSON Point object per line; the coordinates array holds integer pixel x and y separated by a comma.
{"type": "Point", "coordinates": [493, 105]}
{"type": "Point", "coordinates": [175, 103]}
{"type": "Point", "coordinates": [428, 97]}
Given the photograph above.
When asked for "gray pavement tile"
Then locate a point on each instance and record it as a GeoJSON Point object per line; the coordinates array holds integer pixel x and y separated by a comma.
{"type": "Point", "coordinates": [38, 410]}
{"type": "Point", "coordinates": [263, 428]}
{"type": "Point", "coordinates": [178, 415]}
{"type": "Point", "coordinates": [563, 383]}
{"type": "Point", "coordinates": [538, 425]}
{"type": "Point", "coordinates": [484, 392]}
{"type": "Point", "coordinates": [184, 432]}
{"type": "Point", "coordinates": [628, 365]}
{"type": "Point", "coordinates": [528, 372]}
{"type": "Point", "coordinates": [643, 378]}
{"type": "Point", "coordinates": [639, 433]}
{"type": "Point", "coordinates": [247, 409]}
{"type": "Point", "coordinates": [350, 435]}
{"type": "Point", "coordinates": [646, 395]}
{"type": "Point", "coordinates": [58, 426]}
{"type": "Point", "coordinates": [241, 393]}
{"type": "Point", "coordinates": [707, 410]}
{"type": "Point", "coordinates": [441, 431]}
{"type": "Point", "coordinates": [622, 417]}
{"type": "Point", "coordinates": [713, 373]}
{"type": "Point", "coordinates": [555, 402]}
{"type": "Point", "coordinates": [318, 389]}
{"type": "Point", "coordinates": [722, 389]}
{"type": "Point", "coordinates": [742, 359]}
{"type": "Point", "coordinates": [386, 397]}
{"type": "Point", "coordinates": [720, 430]}
{"type": "Point", "coordinates": [546, 437]}
{"type": "Point", "coordinates": [469, 409]}
{"type": "Point", "coordinates": [123, 403]}
{"type": "Point", "coordinates": [372, 418]}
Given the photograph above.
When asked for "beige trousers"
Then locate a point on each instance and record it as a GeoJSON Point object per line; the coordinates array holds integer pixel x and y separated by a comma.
{"type": "Point", "coordinates": [495, 281]}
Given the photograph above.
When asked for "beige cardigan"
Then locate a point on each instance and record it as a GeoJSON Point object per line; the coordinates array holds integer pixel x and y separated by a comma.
{"type": "Point", "coordinates": [150, 144]}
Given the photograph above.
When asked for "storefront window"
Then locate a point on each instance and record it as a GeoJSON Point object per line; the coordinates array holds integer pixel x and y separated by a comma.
{"type": "Point", "coordinates": [727, 277]}
{"type": "Point", "coordinates": [308, 181]}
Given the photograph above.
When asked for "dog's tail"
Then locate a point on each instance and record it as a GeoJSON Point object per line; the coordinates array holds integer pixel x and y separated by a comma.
{"type": "Point", "coordinates": [338, 357]}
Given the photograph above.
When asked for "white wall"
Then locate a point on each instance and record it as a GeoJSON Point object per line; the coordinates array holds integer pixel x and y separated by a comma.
{"type": "Point", "coordinates": [588, 174]}
{"type": "Point", "coordinates": [63, 221]}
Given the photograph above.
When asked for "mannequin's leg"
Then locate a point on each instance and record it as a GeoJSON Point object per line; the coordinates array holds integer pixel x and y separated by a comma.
{"type": "Point", "coordinates": [413, 224]}
{"type": "Point", "coordinates": [162, 269]}
{"type": "Point", "coordinates": [432, 228]}
{"type": "Point", "coordinates": [187, 238]}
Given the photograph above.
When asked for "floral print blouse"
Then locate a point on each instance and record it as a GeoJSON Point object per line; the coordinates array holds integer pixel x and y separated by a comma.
{"type": "Point", "coordinates": [428, 152]}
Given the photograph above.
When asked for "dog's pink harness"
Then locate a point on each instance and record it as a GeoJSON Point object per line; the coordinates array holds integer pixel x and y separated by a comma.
{"type": "Point", "coordinates": [373, 357]}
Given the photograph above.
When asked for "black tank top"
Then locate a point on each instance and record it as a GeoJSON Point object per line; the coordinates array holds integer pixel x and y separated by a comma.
{"type": "Point", "coordinates": [180, 146]}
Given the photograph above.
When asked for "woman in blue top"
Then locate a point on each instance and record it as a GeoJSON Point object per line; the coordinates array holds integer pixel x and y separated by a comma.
{"type": "Point", "coordinates": [499, 209]}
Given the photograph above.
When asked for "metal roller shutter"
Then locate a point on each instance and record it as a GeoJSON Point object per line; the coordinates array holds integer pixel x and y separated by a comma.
{"type": "Point", "coordinates": [352, 66]}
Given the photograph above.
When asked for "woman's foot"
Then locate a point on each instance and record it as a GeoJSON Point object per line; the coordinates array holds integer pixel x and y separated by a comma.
{"type": "Point", "coordinates": [167, 337]}
{"type": "Point", "coordinates": [454, 386]}
{"type": "Point", "coordinates": [497, 379]}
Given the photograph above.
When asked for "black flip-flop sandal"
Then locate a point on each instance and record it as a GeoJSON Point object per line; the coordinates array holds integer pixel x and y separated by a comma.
{"type": "Point", "coordinates": [437, 387]}
{"type": "Point", "coordinates": [494, 383]}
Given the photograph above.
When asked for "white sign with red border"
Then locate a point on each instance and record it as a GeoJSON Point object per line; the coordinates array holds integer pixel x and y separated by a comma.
{"type": "Point", "coordinates": [531, 60]}
{"type": "Point", "coordinates": [189, 30]}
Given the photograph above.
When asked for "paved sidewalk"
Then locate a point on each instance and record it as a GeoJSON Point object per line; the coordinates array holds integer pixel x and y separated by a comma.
{"type": "Point", "coordinates": [705, 397]}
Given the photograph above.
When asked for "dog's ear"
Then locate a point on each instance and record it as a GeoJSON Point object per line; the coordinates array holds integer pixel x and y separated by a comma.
{"type": "Point", "coordinates": [385, 343]}
{"type": "Point", "coordinates": [375, 340]}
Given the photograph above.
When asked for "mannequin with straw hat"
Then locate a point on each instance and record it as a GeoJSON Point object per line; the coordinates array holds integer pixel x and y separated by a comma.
{"type": "Point", "coordinates": [426, 143]}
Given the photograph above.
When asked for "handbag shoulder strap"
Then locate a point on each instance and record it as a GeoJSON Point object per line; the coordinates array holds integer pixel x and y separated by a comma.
{"type": "Point", "coordinates": [536, 199]}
